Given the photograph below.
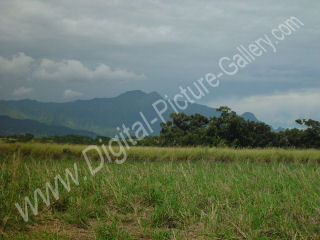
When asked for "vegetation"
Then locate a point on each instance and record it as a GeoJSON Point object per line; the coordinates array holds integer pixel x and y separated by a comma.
{"type": "Point", "coordinates": [154, 154]}
{"type": "Point", "coordinates": [66, 139]}
{"type": "Point", "coordinates": [164, 193]}
{"type": "Point", "coordinates": [229, 129]}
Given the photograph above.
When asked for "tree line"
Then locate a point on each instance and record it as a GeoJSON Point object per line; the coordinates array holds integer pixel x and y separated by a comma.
{"type": "Point", "coordinates": [66, 139]}
{"type": "Point", "coordinates": [229, 129]}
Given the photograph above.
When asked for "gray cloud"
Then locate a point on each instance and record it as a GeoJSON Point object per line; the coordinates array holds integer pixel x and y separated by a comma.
{"type": "Point", "coordinates": [22, 92]}
{"type": "Point", "coordinates": [74, 70]}
{"type": "Point", "coordinates": [117, 43]}
{"type": "Point", "coordinates": [68, 93]}
{"type": "Point", "coordinates": [24, 66]}
{"type": "Point", "coordinates": [17, 67]}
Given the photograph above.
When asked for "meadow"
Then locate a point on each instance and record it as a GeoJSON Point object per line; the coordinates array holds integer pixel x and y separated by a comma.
{"type": "Point", "coordinates": [163, 193]}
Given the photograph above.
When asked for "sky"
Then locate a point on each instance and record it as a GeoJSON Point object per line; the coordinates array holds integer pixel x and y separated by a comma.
{"type": "Point", "coordinates": [75, 49]}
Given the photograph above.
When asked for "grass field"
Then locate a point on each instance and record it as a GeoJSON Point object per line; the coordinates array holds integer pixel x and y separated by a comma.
{"type": "Point", "coordinates": [163, 193]}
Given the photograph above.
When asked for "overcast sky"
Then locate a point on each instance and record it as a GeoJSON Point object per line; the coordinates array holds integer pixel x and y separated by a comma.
{"type": "Point", "coordinates": [66, 50]}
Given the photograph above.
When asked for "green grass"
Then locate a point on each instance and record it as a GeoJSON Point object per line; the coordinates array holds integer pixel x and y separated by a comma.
{"type": "Point", "coordinates": [165, 193]}
{"type": "Point", "coordinates": [59, 151]}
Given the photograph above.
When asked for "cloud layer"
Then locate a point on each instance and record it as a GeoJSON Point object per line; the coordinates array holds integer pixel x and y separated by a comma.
{"type": "Point", "coordinates": [74, 70]}
{"type": "Point", "coordinates": [103, 48]}
{"type": "Point", "coordinates": [23, 66]}
{"type": "Point", "coordinates": [16, 67]}
{"type": "Point", "coordinates": [71, 94]}
{"type": "Point", "coordinates": [279, 109]}
{"type": "Point", "coordinates": [22, 92]}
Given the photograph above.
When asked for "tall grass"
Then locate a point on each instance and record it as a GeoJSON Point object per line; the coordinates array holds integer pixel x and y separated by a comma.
{"type": "Point", "coordinates": [165, 193]}
{"type": "Point", "coordinates": [45, 151]}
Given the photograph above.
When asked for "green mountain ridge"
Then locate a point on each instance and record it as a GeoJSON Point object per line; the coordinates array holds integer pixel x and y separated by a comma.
{"type": "Point", "coordinates": [11, 126]}
{"type": "Point", "coordinates": [99, 115]}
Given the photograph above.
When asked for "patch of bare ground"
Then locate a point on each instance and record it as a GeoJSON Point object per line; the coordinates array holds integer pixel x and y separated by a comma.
{"type": "Point", "coordinates": [62, 229]}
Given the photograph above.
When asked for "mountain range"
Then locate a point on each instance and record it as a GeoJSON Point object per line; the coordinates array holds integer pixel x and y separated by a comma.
{"type": "Point", "coordinates": [11, 126]}
{"type": "Point", "coordinates": [99, 116]}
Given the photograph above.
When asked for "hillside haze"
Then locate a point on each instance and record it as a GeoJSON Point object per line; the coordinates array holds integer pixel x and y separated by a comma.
{"type": "Point", "coordinates": [100, 115]}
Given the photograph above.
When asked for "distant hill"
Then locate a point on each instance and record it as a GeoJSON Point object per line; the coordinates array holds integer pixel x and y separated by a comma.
{"type": "Point", "coordinates": [99, 115]}
{"type": "Point", "coordinates": [249, 116]}
{"type": "Point", "coordinates": [11, 126]}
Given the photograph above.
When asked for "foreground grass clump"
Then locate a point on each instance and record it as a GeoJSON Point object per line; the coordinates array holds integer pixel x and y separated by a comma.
{"type": "Point", "coordinates": [222, 194]}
